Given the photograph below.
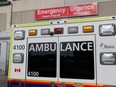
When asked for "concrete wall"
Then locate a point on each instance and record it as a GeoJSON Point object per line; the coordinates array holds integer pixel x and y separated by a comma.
{"type": "Point", "coordinates": [24, 10]}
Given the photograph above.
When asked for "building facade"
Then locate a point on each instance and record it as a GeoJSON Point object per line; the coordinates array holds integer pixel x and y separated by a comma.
{"type": "Point", "coordinates": [23, 11]}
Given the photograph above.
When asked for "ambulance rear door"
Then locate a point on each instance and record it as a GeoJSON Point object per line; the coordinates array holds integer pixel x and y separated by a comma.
{"type": "Point", "coordinates": [42, 62]}
{"type": "Point", "coordinates": [77, 61]}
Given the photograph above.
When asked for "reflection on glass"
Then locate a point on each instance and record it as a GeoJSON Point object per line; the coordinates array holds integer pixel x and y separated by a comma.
{"type": "Point", "coordinates": [77, 60]}
{"type": "Point", "coordinates": [42, 59]}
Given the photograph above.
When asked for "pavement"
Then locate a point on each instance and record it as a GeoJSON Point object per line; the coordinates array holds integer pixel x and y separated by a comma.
{"type": "Point", "coordinates": [3, 79]}
{"type": "Point", "coordinates": [3, 83]}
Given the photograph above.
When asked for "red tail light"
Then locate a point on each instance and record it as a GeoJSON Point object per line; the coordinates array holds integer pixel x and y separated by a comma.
{"type": "Point", "coordinates": [58, 31]}
{"type": "Point", "coordinates": [16, 83]}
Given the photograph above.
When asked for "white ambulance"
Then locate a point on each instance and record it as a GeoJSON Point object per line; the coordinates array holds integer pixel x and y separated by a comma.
{"type": "Point", "coordinates": [70, 53]}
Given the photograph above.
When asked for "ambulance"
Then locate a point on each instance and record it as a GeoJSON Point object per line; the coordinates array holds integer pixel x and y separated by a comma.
{"type": "Point", "coordinates": [63, 53]}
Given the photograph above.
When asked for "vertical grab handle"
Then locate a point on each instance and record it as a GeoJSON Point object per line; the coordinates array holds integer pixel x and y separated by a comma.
{"type": "Point", "coordinates": [52, 84]}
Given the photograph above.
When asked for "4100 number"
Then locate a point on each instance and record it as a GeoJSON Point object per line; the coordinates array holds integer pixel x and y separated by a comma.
{"type": "Point", "coordinates": [33, 73]}
{"type": "Point", "coordinates": [19, 47]}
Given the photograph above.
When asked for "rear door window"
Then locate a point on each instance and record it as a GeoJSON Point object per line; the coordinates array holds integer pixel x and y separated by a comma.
{"type": "Point", "coordinates": [77, 60]}
{"type": "Point", "coordinates": [42, 59]}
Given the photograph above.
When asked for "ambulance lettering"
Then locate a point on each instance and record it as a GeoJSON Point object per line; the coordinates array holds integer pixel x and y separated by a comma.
{"type": "Point", "coordinates": [42, 47]}
{"type": "Point", "coordinates": [72, 46]}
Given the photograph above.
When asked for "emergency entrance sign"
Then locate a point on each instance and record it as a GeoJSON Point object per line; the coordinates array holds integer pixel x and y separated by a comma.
{"type": "Point", "coordinates": [67, 11]}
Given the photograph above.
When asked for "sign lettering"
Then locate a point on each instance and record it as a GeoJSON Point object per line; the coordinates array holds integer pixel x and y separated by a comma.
{"type": "Point", "coordinates": [67, 11]}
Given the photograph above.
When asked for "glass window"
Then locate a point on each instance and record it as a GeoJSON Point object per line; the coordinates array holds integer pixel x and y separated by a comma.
{"type": "Point", "coordinates": [42, 59]}
{"type": "Point", "coordinates": [77, 60]}
{"type": "Point", "coordinates": [3, 0]}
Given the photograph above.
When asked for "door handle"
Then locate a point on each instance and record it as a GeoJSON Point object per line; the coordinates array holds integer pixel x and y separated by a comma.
{"type": "Point", "coordinates": [51, 84]}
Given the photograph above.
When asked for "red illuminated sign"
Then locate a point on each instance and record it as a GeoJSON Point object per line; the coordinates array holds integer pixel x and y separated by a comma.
{"type": "Point", "coordinates": [67, 11]}
{"type": "Point", "coordinates": [51, 13]}
{"type": "Point", "coordinates": [84, 9]}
